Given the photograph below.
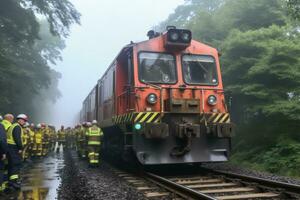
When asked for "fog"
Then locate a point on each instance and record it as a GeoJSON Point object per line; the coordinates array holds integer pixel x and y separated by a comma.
{"type": "Point", "coordinates": [106, 26]}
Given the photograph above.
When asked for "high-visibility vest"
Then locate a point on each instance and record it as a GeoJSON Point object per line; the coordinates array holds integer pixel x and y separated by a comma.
{"type": "Point", "coordinates": [25, 136]}
{"type": "Point", "coordinates": [31, 136]}
{"type": "Point", "coordinates": [10, 138]}
{"type": "Point", "coordinates": [6, 124]}
{"type": "Point", "coordinates": [61, 135]}
{"type": "Point", "coordinates": [94, 133]}
{"type": "Point", "coordinates": [38, 137]}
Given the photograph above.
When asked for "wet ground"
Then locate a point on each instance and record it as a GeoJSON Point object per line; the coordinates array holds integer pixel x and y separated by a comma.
{"type": "Point", "coordinates": [80, 182]}
{"type": "Point", "coordinates": [40, 179]}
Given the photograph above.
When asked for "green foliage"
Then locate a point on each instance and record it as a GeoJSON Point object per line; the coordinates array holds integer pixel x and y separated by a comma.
{"type": "Point", "coordinates": [294, 9]}
{"type": "Point", "coordinates": [260, 62]}
{"type": "Point", "coordinates": [283, 158]}
{"type": "Point", "coordinates": [28, 47]}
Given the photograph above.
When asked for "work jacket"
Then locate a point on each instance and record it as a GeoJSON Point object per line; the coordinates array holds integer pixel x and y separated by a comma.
{"type": "Point", "coordinates": [14, 135]}
{"type": "Point", "coordinates": [61, 134]}
{"type": "Point", "coordinates": [6, 124]}
{"type": "Point", "coordinates": [38, 136]}
{"type": "Point", "coordinates": [3, 140]}
{"type": "Point", "coordinates": [94, 135]}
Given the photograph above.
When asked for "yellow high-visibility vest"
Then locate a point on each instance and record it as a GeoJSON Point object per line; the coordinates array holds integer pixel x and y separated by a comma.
{"type": "Point", "coordinates": [38, 137]}
{"type": "Point", "coordinates": [10, 138]}
{"type": "Point", "coordinates": [6, 124]}
{"type": "Point", "coordinates": [94, 133]}
{"type": "Point", "coordinates": [25, 136]}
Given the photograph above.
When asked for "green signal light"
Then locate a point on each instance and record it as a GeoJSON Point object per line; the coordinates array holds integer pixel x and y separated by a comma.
{"type": "Point", "coordinates": [137, 126]}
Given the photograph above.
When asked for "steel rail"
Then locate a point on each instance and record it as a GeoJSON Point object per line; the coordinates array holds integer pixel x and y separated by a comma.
{"type": "Point", "coordinates": [289, 187]}
{"type": "Point", "coordinates": [177, 188]}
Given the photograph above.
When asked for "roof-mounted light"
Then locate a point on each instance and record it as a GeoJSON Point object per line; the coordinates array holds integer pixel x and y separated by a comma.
{"type": "Point", "coordinates": [178, 38]}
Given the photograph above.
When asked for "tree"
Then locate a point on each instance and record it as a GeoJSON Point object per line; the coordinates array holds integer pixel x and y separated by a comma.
{"type": "Point", "coordinates": [294, 9]}
{"type": "Point", "coordinates": [260, 65]}
{"type": "Point", "coordinates": [28, 46]}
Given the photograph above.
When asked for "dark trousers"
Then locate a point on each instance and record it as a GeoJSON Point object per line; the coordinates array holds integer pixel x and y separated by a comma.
{"type": "Point", "coordinates": [2, 167]}
{"type": "Point", "coordinates": [14, 163]}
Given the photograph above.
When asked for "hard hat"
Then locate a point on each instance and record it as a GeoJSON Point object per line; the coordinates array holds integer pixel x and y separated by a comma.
{"type": "Point", "coordinates": [94, 121]}
{"type": "Point", "coordinates": [38, 126]}
{"type": "Point", "coordinates": [22, 116]}
{"type": "Point", "coordinates": [26, 125]}
{"type": "Point", "coordinates": [32, 124]}
{"type": "Point", "coordinates": [88, 123]}
{"type": "Point", "coordinates": [1, 118]}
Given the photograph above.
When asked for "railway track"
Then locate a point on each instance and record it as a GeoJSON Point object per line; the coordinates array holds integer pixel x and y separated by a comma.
{"type": "Point", "coordinates": [213, 185]}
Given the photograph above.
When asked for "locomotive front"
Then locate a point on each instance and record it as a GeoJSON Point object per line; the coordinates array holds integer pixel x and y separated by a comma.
{"type": "Point", "coordinates": [180, 111]}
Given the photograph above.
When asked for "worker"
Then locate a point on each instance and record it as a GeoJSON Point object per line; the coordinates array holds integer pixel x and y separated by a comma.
{"type": "Point", "coordinates": [38, 138]}
{"type": "Point", "coordinates": [31, 141]}
{"type": "Point", "coordinates": [80, 141]}
{"type": "Point", "coordinates": [51, 138]}
{"type": "Point", "coordinates": [7, 121]}
{"type": "Point", "coordinates": [25, 141]}
{"type": "Point", "coordinates": [15, 146]}
{"type": "Point", "coordinates": [45, 140]}
{"type": "Point", "coordinates": [61, 136]}
{"type": "Point", "coordinates": [94, 135]}
{"type": "Point", "coordinates": [3, 152]}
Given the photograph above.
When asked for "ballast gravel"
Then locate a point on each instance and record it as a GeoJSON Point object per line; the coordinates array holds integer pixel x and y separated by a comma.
{"type": "Point", "coordinates": [80, 182]}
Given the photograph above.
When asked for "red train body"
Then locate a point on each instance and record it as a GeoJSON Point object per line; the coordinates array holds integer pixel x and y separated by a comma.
{"type": "Point", "coordinates": [162, 100]}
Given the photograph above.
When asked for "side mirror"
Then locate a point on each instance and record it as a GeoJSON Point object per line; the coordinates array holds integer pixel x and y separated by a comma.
{"type": "Point", "coordinates": [228, 98]}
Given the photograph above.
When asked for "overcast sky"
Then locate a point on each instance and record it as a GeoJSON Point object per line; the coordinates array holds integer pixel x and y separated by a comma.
{"type": "Point", "coordinates": [106, 26]}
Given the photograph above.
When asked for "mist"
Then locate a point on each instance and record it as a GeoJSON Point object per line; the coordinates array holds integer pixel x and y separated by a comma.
{"type": "Point", "coordinates": [106, 26]}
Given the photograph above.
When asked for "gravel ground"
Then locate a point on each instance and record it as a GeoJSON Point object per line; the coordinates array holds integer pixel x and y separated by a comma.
{"type": "Point", "coordinates": [239, 170]}
{"type": "Point", "coordinates": [81, 182]}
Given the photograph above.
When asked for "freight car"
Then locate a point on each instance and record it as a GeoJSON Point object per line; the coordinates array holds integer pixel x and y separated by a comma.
{"type": "Point", "coordinates": [162, 100]}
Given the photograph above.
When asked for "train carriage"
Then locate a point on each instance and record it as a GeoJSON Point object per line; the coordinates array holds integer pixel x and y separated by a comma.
{"type": "Point", "coordinates": [162, 100]}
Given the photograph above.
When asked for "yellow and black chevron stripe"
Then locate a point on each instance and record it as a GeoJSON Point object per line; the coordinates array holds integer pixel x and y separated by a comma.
{"type": "Point", "coordinates": [215, 117]}
{"type": "Point", "coordinates": [138, 117]}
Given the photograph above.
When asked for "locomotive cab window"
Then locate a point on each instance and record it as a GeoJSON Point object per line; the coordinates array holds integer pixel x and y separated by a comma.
{"type": "Point", "coordinates": [199, 69]}
{"type": "Point", "coordinates": [157, 68]}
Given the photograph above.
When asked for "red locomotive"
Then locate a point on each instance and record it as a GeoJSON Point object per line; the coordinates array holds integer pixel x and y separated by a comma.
{"type": "Point", "coordinates": [162, 100]}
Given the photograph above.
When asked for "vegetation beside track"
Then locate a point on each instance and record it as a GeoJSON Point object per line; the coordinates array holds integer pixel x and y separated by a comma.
{"type": "Point", "coordinates": [260, 46]}
{"type": "Point", "coordinates": [32, 37]}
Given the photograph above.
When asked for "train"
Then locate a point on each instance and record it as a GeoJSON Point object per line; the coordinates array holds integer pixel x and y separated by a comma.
{"type": "Point", "coordinates": [161, 101]}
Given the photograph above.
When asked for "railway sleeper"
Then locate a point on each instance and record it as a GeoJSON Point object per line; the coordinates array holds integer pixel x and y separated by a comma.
{"type": "Point", "coordinates": [264, 195]}
{"type": "Point", "coordinates": [217, 185]}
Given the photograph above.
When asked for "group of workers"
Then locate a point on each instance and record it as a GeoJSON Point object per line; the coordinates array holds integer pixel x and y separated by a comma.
{"type": "Point", "coordinates": [85, 137]}
{"type": "Point", "coordinates": [21, 141]}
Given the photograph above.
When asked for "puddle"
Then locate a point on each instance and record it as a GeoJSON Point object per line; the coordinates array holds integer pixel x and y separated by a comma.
{"type": "Point", "coordinates": [41, 179]}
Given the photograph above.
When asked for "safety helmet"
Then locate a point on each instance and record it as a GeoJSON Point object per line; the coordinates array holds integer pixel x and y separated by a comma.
{"type": "Point", "coordinates": [32, 124]}
{"type": "Point", "coordinates": [39, 126]}
{"type": "Point", "coordinates": [1, 118]}
{"type": "Point", "coordinates": [88, 123]}
{"type": "Point", "coordinates": [94, 121]}
{"type": "Point", "coordinates": [22, 116]}
{"type": "Point", "coordinates": [26, 125]}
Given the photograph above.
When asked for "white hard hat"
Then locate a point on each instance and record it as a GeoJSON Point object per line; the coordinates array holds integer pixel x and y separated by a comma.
{"type": "Point", "coordinates": [39, 126]}
{"type": "Point", "coordinates": [1, 118]}
{"type": "Point", "coordinates": [88, 124]}
{"type": "Point", "coordinates": [26, 125]}
{"type": "Point", "coordinates": [94, 121]}
{"type": "Point", "coordinates": [22, 116]}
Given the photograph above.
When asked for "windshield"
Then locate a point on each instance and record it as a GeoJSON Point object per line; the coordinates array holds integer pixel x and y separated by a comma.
{"type": "Point", "coordinates": [157, 68]}
{"type": "Point", "coordinates": [199, 69]}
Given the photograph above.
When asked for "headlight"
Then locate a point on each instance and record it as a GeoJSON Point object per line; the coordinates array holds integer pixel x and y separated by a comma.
{"type": "Point", "coordinates": [174, 36]}
{"type": "Point", "coordinates": [186, 37]}
{"type": "Point", "coordinates": [212, 100]}
{"type": "Point", "coordinates": [152, 98]}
